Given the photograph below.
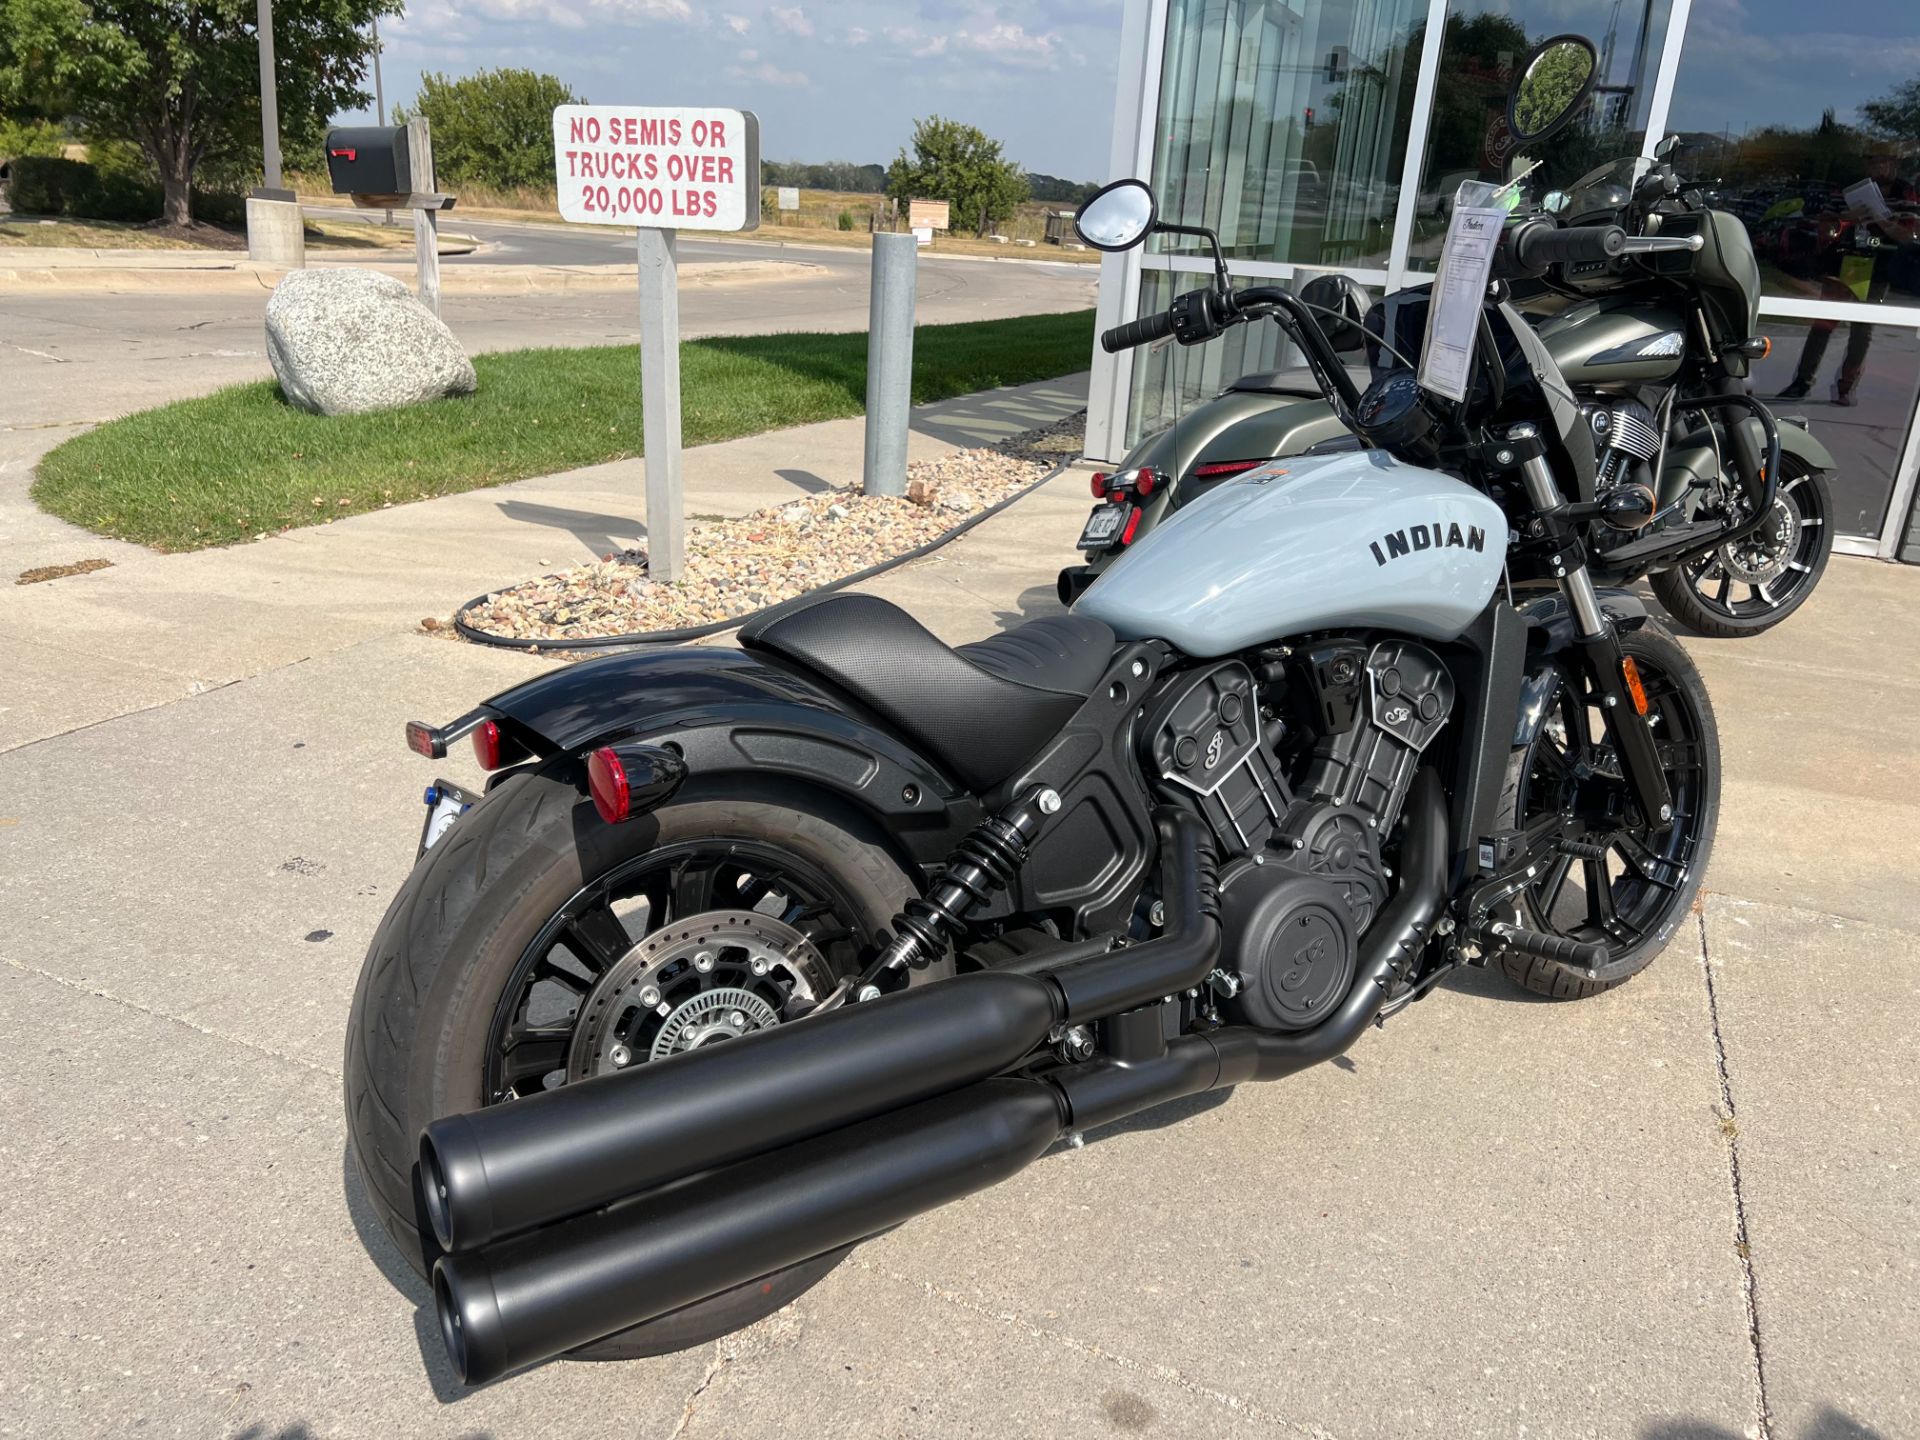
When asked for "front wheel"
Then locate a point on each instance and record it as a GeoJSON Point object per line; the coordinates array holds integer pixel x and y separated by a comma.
{"type": "Point", "coordinates": [535, 946]}
{"type": "Point", "coordinates": [1611, 879]}
{"type": "Point", "coordinates": [1751, 585]}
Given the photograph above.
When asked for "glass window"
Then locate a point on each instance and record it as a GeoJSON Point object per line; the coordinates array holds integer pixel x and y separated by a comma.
{"type": "Point", "coordinates": [1284, 126]}
{"type": "Point", "coordinates": [1861, 383]}
{"type": "Point", "coordinates": [1805, 120]}
{"type": "Point", "coordinates": [1485, 42]}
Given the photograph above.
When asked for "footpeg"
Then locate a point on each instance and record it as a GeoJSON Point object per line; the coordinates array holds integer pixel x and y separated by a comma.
{"type": "Point", "coordinates": [1578, 953]}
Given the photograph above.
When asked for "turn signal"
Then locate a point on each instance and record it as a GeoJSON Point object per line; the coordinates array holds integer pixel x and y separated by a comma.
{"type": "Point", "coordinates": [1100, 479]}
{"type": "Point", "coordinates": [423, 739]}
{"type": "Point", "coordinates": [1630, 672]}
{"type": "Point", "coordinates": [607, 780]}
{"type": "Point", "coordinates": [1144, 482]}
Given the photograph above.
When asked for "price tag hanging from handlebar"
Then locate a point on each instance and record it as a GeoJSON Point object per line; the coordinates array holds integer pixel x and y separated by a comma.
{"type": "Point", "coordinates": [1460, 290]}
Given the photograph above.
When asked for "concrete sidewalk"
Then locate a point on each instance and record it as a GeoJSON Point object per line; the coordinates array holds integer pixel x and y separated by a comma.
{"type": "Point", "coordinates": [1685, 1210]}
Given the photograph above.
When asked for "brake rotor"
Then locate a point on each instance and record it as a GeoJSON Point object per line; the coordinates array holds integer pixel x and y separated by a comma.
{"type": "Point", "coordinates": [1762, 557]}
{"type": "Point", "coordinates": [701, 981]}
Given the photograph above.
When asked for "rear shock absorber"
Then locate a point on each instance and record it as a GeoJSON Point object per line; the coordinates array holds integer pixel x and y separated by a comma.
{"type": "Point", "coordinates": [984, 861]}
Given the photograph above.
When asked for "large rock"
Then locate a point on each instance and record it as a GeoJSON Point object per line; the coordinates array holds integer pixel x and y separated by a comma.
{"type": "Point", "coordinates": [347, 341]}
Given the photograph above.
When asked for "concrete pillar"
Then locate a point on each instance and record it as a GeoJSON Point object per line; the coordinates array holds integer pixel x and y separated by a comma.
{"type": "Point", "coordinates": [276, 233]}
{"type": "Point", "coordinates": [890, 363]}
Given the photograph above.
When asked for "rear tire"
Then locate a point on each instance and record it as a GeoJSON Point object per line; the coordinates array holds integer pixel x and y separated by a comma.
{"type": "Point", "coordinates": [1539, 781]}
{"type": "Point", "coordinates": [427, 1005]}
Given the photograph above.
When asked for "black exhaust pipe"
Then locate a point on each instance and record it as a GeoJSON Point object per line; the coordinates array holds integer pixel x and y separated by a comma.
{"type": "Point", "coordinates": [532, 1298]}
{"type": "Point", "coordinates": [510, 1168]}
{"type": "Point", "coordinates": [540, 1295]}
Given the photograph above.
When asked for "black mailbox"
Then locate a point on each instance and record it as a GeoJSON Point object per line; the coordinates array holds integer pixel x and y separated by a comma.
{"type": "Point", "coordinates": [369, 160]}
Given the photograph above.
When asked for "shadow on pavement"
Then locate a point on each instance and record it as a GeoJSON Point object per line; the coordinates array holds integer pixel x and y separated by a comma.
{"type": "Point", "coordinates": [1829, 1424]}
{"type": "Point", "coordinates": [977, 419]}
{"type": "Point", "coordinates": [805, 480]}
{"type": "Point", "coordinates": [602, 534]}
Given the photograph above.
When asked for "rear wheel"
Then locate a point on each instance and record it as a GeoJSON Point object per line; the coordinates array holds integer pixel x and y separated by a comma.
{"type": "Point", "coordinates": [1751, 585]}
{"type": "Point", "coordinates": [1611, 879]}
{"type": "Point", "coordinates": [536, 945]}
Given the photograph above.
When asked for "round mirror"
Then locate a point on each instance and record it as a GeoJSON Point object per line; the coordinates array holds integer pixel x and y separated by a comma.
{"type": "Point", "coordinates": [1553, 83]}
{"type": "Point", "coordinates": [1340, 305]}
{"type": "Point", "coordinates": [1118, 217]}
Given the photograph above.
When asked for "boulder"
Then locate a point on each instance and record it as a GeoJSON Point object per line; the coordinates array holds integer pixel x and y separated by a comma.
{"type": "Point", "coordinates": [347, 341]}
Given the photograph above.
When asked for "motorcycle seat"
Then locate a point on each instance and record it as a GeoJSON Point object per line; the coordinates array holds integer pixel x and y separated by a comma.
{"type": "Point", "coordinates": [979, 709]}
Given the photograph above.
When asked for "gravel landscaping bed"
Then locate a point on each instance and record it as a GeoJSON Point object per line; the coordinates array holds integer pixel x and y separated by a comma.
{"type": "Point", "coordinates": [738, 566]}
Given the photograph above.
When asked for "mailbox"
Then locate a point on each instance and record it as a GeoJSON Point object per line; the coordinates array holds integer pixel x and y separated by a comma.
{"type": "Point", "coordinates": [369, 160]}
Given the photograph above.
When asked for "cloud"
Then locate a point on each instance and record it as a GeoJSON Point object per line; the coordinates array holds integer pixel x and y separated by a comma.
{"type": "Point", "coordinates": [448, 16]}
{"type": "Point", "coordinates": [1010, 44]}
{"type": "Point", "coordinates": [790, 20]}
{"type": "Point", "coordinates": [765, 72]}
{"type": "Point", "coordinates": [858, 35]}
{"type": "Point", "coordinates": [913, 44]}
{"type": "Point", "coordinates": [738, 24]}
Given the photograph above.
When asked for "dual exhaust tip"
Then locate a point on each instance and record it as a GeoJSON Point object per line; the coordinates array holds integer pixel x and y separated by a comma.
{"type": "Point", "coordinates": [599, 1206]}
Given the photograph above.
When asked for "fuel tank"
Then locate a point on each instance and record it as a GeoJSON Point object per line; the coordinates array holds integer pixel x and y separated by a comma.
{"type": "Point", "coordinates": [1353, 540]}
{"type": "Point", "coordinates": [1616, 341]}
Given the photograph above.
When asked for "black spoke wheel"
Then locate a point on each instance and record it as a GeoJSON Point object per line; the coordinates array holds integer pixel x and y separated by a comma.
{"type": "Point", "coordinates": [535, 945]}
{"type": "Point", "coordinates": [1605, 875]}
{"type": "Point", "coordinates": [1751, 585]}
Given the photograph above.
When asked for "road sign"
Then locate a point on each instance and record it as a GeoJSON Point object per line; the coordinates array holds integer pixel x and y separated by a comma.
{"type": "Point", "coordinates": [930, 214]}
{"type": "Point", "coordinates": [659, 170]}
{"type": "Point", "coordinates": [789, 197]}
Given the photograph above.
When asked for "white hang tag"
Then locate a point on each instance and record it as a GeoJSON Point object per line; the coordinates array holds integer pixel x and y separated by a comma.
{"type": "Point", "coordinates": [1459, 292]}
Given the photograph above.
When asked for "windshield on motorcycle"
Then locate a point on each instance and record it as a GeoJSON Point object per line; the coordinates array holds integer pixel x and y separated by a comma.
{"type": "Point", "coordinates": [1604, 191]}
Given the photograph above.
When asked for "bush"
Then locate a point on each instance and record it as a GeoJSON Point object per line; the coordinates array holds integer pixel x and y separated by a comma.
{"type": "Point", "coordinates": [846, 220]}
{"type": "Point", "coordinates": [28, 137]}
{"type": "Point", "coordinates": [49, 185]}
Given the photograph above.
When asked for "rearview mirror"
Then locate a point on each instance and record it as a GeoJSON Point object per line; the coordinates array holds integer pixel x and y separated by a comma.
{"type": "Point", "coordinates": [1555, 80]}
{"type": "Point", "coordinates": [1117, 217]}
{"type": "Point", "coordinates": [1340, 305]}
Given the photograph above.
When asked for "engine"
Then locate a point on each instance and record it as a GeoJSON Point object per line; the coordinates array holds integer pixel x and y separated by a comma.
{"type": "Point", "coordinates": [1626, 438]}
{"type": "Point", "coordinates": [1301, 877]}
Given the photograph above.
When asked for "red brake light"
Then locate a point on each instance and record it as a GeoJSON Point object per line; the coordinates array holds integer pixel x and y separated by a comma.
{"type": "Point", "coordinates": [1133, 525]}
{"type": "Point", "coordinates": [607, 779]}
{"type": "Point", "coordinates": [1144, 482]}
{"type": "Point", "coordinates": [486, 744]}
{"type": "Point", "coordinates": [1224, 467]}
{"type": "Point", "coordinates": [1099, 484]}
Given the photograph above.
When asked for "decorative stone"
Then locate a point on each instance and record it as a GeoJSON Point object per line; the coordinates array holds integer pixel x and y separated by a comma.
{"type": "Point", "coordinates": [347, 341]}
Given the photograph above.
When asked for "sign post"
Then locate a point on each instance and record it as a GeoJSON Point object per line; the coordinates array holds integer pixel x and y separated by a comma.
{"type": "Point", "coordinates": [659, 170]}
{"type": "Point", "coordinates": [426, 222]}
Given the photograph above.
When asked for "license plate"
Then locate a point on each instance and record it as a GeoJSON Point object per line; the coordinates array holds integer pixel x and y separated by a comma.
{"type": "Point", "coordinates": [446, 803]}
{"type": "Point", "coordinates": [1103, 526]}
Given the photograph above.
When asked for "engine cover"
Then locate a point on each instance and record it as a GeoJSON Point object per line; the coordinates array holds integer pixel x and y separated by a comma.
{"type": "Point", "coordinates": [1291, 941]}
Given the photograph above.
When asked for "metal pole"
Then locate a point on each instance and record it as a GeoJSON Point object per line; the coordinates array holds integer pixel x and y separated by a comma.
{"type": "Point", "coordinates": [426, 223]}
{"type": "Point", "coordinates": [379, 99]}
{"type": "Point", "coordinates": [890, 363]}
{"type": "Point", "coordinates": [660, 401]}
{"type": "Point", "coordinates": [269, 99]}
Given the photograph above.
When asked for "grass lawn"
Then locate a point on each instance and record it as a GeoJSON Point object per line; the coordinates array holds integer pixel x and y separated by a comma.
{"type": "Point", "coordinates": [31, 232]}
{"type": "Point", "coordinates": [242, 461]}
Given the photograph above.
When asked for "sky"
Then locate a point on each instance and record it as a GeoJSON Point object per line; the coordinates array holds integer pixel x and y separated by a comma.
{"type": "Point", "coordinates": [829, 81]}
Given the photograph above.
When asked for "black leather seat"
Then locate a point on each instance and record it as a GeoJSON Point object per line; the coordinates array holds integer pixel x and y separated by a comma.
{"type": "Point", "coordinates": [979, 709]}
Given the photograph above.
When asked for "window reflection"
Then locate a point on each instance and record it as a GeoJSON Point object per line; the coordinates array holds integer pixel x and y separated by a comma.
{"type": "Point", "coordinates": [1806, 124]}
{"type": "Point", "coordinates": [1284, 127]}
{"type": "Point", "coordinates": [1486, 41]}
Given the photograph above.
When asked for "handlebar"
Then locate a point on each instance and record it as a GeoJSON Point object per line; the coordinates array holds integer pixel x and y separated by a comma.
{"type": "Point", "coordinates": [1143, 331]}
{"type": "Point", "coordinates": [1534, 246]}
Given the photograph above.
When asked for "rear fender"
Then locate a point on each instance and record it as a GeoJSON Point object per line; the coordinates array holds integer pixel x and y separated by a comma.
{"type": "Point", "coordinates": [745, 723]}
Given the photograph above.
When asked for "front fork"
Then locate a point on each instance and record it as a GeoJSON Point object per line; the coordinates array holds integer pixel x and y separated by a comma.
{"type": "Point", "coordinates": [1623, 705]}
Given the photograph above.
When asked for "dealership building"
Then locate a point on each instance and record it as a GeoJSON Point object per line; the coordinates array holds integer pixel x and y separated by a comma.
{"type": "Point", "coordinates": [1318, 135]}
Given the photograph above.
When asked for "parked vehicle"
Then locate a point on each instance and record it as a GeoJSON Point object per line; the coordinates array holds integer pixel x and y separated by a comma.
{"type": "Point", "coordinates": [748, 955]}
{"type": "Point", "coordinates": [1663, 473]}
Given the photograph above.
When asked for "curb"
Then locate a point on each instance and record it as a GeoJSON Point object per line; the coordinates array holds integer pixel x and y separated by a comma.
{"type": "Point", "coordinates": [484, 279]}
{"type": "Point", "coordinates": [720, 627]}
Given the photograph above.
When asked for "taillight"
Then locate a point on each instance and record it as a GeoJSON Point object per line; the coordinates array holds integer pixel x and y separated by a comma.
{"type": "Point", "coordinates": [486, 744]}
{"type": "Point", "coordinates": [1099, 484]}
{"type": "Point", "coordinates": [1217, 468]}
{"type": "Point", "coordinates": [1144, 482]}
{"type": "Point", "coordinates": [1133, 526]}
{"type": "Point", "coordinates": [607, 780]}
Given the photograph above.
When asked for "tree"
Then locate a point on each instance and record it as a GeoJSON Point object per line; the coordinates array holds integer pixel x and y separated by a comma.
{"type": "Point", "coordinates": [959, 164]}
{"type": "Point", "coordinates": [1896, 116]}
{"type": "Point", "coordinates": [494, 128]}
{"type": "Point", "coordinates": [181, 78]}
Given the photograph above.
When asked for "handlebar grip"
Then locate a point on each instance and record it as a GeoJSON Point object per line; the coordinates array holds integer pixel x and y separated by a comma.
{"type": "Point", "coordinates": [1538, 246]}
{"type": "Point", "coordinates": [1137, 332]}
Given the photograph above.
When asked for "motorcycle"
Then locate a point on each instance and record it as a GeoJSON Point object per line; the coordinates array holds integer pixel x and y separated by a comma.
{"type": "Point", "coordinates": [746, 956]}
{"type": "Point", "coordinates": [1652, 384]}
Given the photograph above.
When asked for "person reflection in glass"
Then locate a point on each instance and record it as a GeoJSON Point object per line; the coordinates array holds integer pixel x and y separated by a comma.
{"type": "Point", "coordinates": [1854, 265]}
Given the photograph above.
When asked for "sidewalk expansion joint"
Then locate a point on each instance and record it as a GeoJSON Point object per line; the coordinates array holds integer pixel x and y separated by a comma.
{"type": "Point", "coordinates": [81, 988]}
{"type": "Point", "coordinates": [1167, 1374]}
{"type": "Point", "coordinates": [1742, 1239]}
